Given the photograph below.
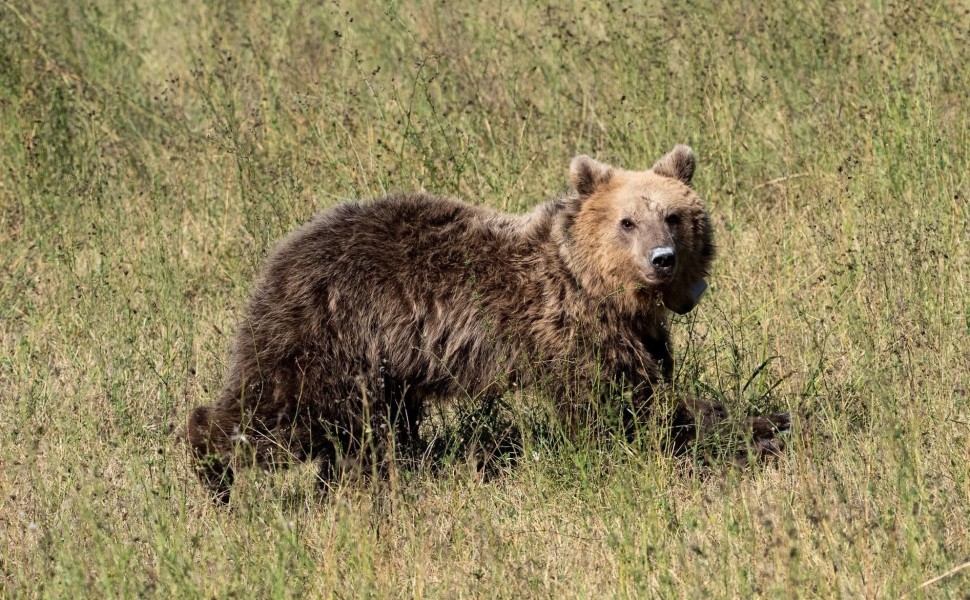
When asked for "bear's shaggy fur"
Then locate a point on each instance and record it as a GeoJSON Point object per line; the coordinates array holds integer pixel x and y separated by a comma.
{"type": "Point", "coordinates": [373, 309]}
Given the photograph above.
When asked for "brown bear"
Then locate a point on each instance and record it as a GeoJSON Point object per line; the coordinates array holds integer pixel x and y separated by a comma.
{"type": "Point", "coordinates": [374, 309]}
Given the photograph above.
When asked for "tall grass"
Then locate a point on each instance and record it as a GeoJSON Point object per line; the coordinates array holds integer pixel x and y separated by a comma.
{"type": "Point", "coordinates": [151, 153]}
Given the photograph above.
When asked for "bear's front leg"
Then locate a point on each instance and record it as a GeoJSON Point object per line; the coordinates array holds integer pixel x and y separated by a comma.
{"type": "Point", "coordinates": [697, 422]}
{"type": "Point", "coordinates": [694, 420]}
{"type": "Point", "coordinates": [766, 433]}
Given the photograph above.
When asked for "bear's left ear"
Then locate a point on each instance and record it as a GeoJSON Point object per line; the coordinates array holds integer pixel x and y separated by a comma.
{"type": "Point", "coordinates": [679, 163]}
{"type": "Point", "coordinates": [587, 174]}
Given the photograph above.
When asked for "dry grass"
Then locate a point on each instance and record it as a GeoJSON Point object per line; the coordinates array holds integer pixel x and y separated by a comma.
{"type": "Point", "coordinates": [151, 153]}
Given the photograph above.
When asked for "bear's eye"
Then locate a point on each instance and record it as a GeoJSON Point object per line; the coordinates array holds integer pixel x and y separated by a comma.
{"type": "Point", "coordinates": [673, 219]}
{"type": "Point", "coordinates": [627, 224]}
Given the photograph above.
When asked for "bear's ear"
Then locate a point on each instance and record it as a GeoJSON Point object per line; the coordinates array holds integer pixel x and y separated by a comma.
{"type": "Point", "coordinates": [587, 174]}
{"type": "Point", "coordinates": [679, 163]}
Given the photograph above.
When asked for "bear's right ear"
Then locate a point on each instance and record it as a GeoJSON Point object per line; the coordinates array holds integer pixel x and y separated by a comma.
{"type": "Point", "coordinates": [587, 174]}
{"type": "Point", "coordinates": [679, 164]}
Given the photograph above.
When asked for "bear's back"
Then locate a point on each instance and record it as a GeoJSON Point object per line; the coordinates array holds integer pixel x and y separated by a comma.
{"type": "Point", "coordinates": [399, 279]}
{"type": "Point", "coordinates": [404, 242]}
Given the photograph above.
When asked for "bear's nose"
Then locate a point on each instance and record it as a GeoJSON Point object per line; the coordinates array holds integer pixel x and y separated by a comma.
{"type": "Point", "coordinates": [663, 259]}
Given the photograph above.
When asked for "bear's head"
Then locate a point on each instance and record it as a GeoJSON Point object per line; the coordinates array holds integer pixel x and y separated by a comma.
{"type": "Point", "coordinates": [641, 237]}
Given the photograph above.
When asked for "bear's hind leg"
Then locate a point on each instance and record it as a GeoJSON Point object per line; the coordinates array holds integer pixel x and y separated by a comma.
{"type": "Point", "coordinates": [211, 448]}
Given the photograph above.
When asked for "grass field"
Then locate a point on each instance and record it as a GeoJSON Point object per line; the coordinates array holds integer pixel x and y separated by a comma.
{"type": "Point", "coordinates": [151, 153]}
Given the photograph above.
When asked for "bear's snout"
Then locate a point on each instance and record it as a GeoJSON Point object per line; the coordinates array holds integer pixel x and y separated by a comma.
{"type": "Point", "coordinates": [663, 260]}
